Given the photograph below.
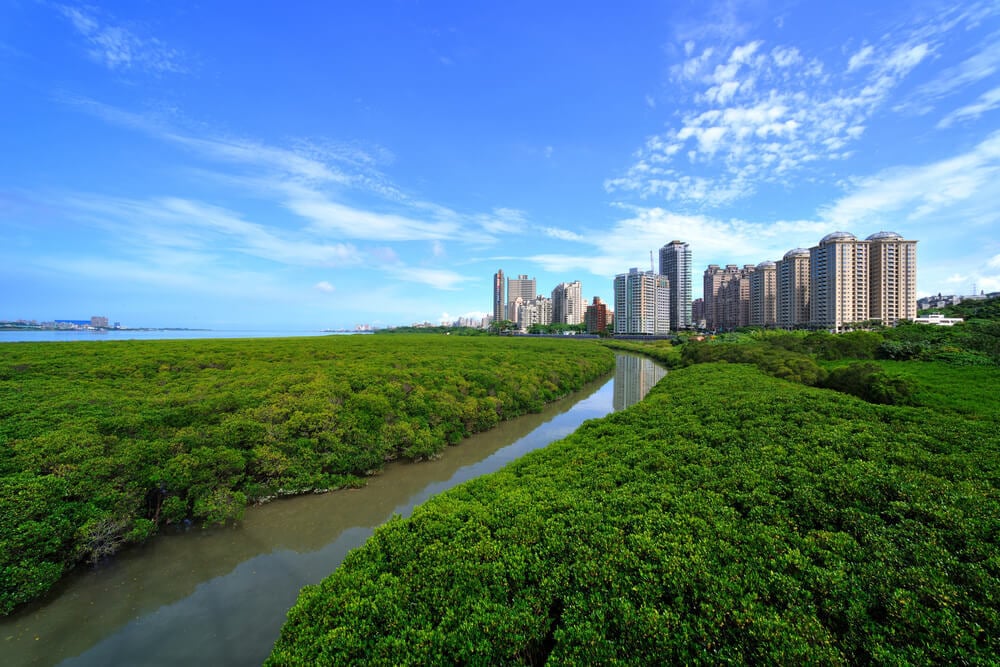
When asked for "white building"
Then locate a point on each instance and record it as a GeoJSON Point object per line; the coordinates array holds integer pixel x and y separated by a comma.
{"type": "Point", "coordinates": [938, 319]}
{"type": "Point", "coordinates": [567, 303]}
{"type": "Point", "coordinates": [534, 311]}
{"type": "Point", "coordinates": [642, 303]}
{"type": "Point", "coordinates": [521, 287]}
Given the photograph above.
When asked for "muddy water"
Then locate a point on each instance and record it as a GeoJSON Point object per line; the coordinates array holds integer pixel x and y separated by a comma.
{"type": "Point", "coordinates": [219, 596]}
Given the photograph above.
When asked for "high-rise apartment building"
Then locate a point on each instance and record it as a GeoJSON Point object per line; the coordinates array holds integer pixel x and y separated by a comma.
{"type": "Point", "coordinates": [522, 287]}
{"type": "Point", "coordinates": [718, 310]}
{"type": "Point", "coordinates": [838, 282]}
{"type": "Point", "coordinates": [793, 289]}
{"type": "Point", "coordinates": [764, 295]}
{"type": "Point", "coordinates": [567, 303]}
{"type": "Point", "coordinates": [642, 303]}
{"type": "Point", "coordinates": [892, 278]}
{"type": "Point", "coordinates": [499, 303]}
{"type": "Point", "coordinates": [698, 313]}
{"type": "Point", "coordinates": [733, 307]}
{"type": "Point", "coordinates": [537, 310]}
{"type": "Point", "coordinates": [596, 316]}
{"type": "Point", "coordinates": [710, 290]}
{"type": "Point", "coordinates": [675, 264]}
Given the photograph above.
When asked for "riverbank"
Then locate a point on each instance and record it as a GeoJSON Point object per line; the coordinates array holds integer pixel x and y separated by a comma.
{"type": "Point", "coordinates": [226, 590]}
{"type": "Point", "coordinates": [730, 517]}
{"type": "Point", "coordinates": [108, 442]}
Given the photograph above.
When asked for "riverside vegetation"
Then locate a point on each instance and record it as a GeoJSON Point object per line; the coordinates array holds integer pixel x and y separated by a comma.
{"type": "Point", "coordinates": [743, 512]}
{"type": "Point", "coordinates": [103, 443]}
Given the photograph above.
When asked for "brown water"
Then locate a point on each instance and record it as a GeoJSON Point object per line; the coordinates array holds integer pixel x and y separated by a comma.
{"type": "Point", "coordinates": [218, 596]}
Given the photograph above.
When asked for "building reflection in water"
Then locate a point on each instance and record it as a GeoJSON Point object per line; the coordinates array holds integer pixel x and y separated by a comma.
{"type": "Point", "coordinates": [634, 377]}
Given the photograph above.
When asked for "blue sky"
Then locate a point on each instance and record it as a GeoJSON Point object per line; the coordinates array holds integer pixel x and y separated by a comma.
{"type": "Point", "coordinates": [313, 165]}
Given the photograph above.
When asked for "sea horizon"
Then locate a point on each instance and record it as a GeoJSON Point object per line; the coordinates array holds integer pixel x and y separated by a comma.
{"type": "Point", "coordinates": [63, 335]}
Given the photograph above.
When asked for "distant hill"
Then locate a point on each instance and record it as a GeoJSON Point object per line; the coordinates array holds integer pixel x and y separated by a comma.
{"type": "Point", "coordinates": [978, 309]}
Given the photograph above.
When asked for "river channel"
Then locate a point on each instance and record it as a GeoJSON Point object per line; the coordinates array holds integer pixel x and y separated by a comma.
{"type": "Point", "coordinates": [218, 596]}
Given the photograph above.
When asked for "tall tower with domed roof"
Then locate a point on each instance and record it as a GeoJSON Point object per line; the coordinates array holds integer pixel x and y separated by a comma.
{"type": "Point", "coordinates": [892, 277]}
{"type": "Point", "coordinates": [838, 282]}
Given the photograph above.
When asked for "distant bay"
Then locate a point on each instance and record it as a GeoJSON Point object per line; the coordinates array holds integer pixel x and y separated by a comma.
{"type": "Point", "coordinates": [54, 335]}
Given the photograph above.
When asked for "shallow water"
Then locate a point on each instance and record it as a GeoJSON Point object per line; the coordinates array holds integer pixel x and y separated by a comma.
{"type": "Point", "coordinates": [219, 596]}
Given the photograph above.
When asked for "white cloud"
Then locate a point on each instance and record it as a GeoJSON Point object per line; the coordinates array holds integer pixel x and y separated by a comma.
{"type": "Point", "coordinates": [988, 101]}
{"type": "Point", "coordinates": [917, 192]}
{"type": "Point", "coordinates": [308, 180]}
{"type": "Point", "coordinates": [982, 65]}
{"type": "Point", "coordinates": [561, 234]}
{"type": "Point", "coordinates": [502, 221]}
{"type": "Point", "coordinates": [328, 218]}
{"type": "Point", "coordinates": [762, 114]}
{"type": "Point", "coordinates": [324, 286]}
{"type": "Point", "coordinates": [786, 56]}
{"type": "Point", "coordinates": [118, 48]}
{"type": "Point", "coordinates": [862, 58]}
{"type": "Point", "coordinates": [443, 279]}
{"type": "Point", "coordinates": [166, 225]}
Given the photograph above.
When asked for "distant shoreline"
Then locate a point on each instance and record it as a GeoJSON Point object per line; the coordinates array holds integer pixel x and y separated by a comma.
{"type": "Point", "coordinates": [10, 327]}
{"type": "Point", "coordinates": [49, 335]}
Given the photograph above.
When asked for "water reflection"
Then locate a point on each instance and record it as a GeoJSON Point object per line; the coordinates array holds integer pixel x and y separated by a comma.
{"type": "Point", "coordinates": [634, 377]}
{"type": "Point", "coordinates": [219, 596]}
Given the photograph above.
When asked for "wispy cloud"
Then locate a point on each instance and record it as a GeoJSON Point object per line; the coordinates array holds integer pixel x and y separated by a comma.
{"type": "Point", "coordinates": [915, 193]}
{"type": "Point", "coordinates": [308, 178]}
{"type": "Point", "coordinates": [119, 48]}
{"type": "Point", "coordinates": [632, 239]}
{"type": "Point", "coordinates": [988, 101]}
{"type": "Point", "coordinates": [981, 66]}
{"type": "Point", "coordinates": [562, 234]}
{"type": "Point", "coordinates": [157, 225]}
{"type": "Point", "coordinates": [760, 114]}
{"type": "Point", "coordinates": [443, 279]}
{"type": "Point", "coordinates": [331, 218]}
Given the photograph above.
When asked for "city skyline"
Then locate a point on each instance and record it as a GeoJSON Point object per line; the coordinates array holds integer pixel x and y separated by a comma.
{"type": "Point", "coordinates": [194, 166]}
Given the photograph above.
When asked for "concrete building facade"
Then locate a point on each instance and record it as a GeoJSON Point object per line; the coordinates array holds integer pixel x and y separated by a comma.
{"type": "Point", "coordinates": [792, 286]}
{"type": "Point", "coordinates": [764, 295]}
{"type": "Point", "coordinates": [838, 282]}
{"type": "Point", "coordinates": [499, 302]}
{"type": "Point", "coordinates": [596, 316]}
{"type": "Point", "coordinates": [537, 310]}
{"type": "Point", "coordinates": [892, 267]}
{"type": "Point", "coordinates": [675, 264]}
{"type": "Point", "coordinates": [522, 287]}
{"type": "Point", "coordinates": [642, 303]}
{"type": "Point", "coordinates": [567, 303]}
